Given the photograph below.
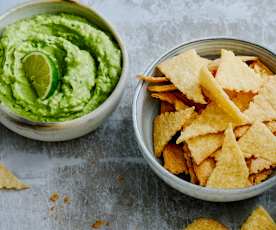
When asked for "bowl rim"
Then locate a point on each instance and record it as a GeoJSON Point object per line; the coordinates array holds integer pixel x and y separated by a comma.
{"type": "Point", "coordinates": [116, 92]}
{"type": "Point", "coordinates": [149, 156]}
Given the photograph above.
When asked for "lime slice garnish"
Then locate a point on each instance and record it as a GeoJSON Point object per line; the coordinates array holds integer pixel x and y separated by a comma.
{"type": "Point", "coordinates": [42, 72]}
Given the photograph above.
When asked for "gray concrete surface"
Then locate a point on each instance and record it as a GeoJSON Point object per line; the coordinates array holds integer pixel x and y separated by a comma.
{"type": "Point", "coordinates": [87, 169]}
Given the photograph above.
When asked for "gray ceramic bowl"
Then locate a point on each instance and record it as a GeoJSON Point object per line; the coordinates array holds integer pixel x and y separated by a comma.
{"type": "Point", "coordinates": [60, 131]}
{"type": "Point", "coordinates": [145, 109]}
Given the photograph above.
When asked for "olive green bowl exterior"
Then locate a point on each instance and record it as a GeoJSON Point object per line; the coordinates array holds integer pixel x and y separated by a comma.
{"type": "Point", "coordinates": [61, 131]}
{"type": "Point", "coordinates": [145, 109]}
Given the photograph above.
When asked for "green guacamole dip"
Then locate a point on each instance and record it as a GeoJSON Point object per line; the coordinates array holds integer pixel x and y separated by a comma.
{"type": "Point", "coordinates": [89, 62]}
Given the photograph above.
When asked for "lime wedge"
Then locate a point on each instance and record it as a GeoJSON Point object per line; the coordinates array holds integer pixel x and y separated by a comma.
{"type": "Point", "coordinates": [42, 72]}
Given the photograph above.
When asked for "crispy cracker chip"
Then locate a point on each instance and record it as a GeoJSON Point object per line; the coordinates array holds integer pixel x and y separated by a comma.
{"type": "Point", "coordinates": [174, 160]}
{"type": "Point", "coordinates": [263, 107]}
{"type": "Point", "coordinates": [205, 224]}
{"type": "Point", "coordinates": [261, 69]}
{"type": "Point", "coordinates": [216, 93]}
{"type": "Point", "coordinates": [259, 177]}
{"type": "Point", "coordinates": [256, 165]}
{"type": "Point", "coordinates": [231, 170]}
{"type": "Point", "coordinates": [183, 70]}
{"type": "Point", "coordinates": [161, 88]}
{"type": "Point", "coordinates": [259, 141]}
{"type": "Point", "coordinates": [166, 126]}
{"type": "Point", "coordinates": [9, 181]}
{"type": "Point", "coordinates": [204, 170]}
{"type": "Point", "coordinates": [233, 74]}
{"type": "Point", "coordinates": [243, 99]}
{"type": "Point", "coordinates": [259, 220]}
{"type": "Point", "coordinates": [202, 147]}
{"type": "Point", "coordinates": [189, 163]}
{"type": "Point", "coordinates": [153, 79]}
{"type": "Point", "coordinates": [241, 130]}
{"type": "Point", "coordinates": [166, 107]}
{"type": "Point", "coordinates": [170, 98]}
{"type": "Point", "coordinates": [212, 120]}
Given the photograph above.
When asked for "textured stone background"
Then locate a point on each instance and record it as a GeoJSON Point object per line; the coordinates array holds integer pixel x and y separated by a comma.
{"type": "Point", "coordinates": [86, 169]}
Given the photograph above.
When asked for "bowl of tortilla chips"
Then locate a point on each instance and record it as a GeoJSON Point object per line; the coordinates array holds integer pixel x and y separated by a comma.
{"type": "Point", "coordinates": [204, 116]}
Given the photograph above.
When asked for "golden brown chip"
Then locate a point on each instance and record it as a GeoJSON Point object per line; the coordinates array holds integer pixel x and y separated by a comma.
{"type": "Point", "coordinates": [256, 165]}
{"type": "Point", "coordinates": [243, 99]}
{"type": "Point", "coordinates": [231, 170]}
{"type": "Point", "coordinates": [216, 93]}
{"type": "Point", "coordinates": [166, 107]}
{"type": "Point", "coordinates": [170, 98]}
{"type": "Point", "coordinates": [261, 69]}
{"type": "Point", "coordinates": [166, 126]}
{"type": "Point", "coordinates": [204, 170]}
{"type": "Point", "coordinates": [263, 106]}
{"type": "Point", "coordinates": [189, 163]}
{"type": "Point", "coordinates": [153, 79]}
{"type": "Point", "coordinates": [259, 177]}
{"type": "Point", "coordinates": [174, 160]}
{"type": "Point", "coordinates": [183, 70]}
{"type": "Point", "coordinates": [10, 181]}
{"type": "Point", "coordinates": [233, 74]}
{"type": "Point", "coordinates": [241, 130]}
{"type": "Point", "coordinates": [259, 220]}
{"type": "Point", "coordinates": [260, 142]}
{"type": "Point", "coordinates": [212, 120]}
{"type": "Point", "coordinates": [202, 147]}
{"type": "Point", "coordinates": [161, 88]}
{"type": "Point", "coordinates": [205, 224]}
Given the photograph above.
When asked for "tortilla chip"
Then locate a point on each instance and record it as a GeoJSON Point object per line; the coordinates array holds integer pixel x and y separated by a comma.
{"type": "Point", "coordinates": [216, 93]}
{"type": "Point", "coordinates": [212, 120]}
{"type": "Point", "coordinates": [153, 79]}
{"type": "Point", "coordinates": [205, 224]}
{"type": "Point", "coordinates": [10, 181]}
{"type": "Point", "coordinates": [202, 147]}
{"type": "Point", "coordinates": [272, 126]}
{"type": "Point", "coordinates": [174, 160]}
{"type": "Point", "coordinates": [259, 141]}
{"type": "Point", "coordinates": [170, 98]}
{"type": "Point", "coordinates": [259, 220]}
{"type": "Point", "coordinates": [241, 130]}
{"type": "Point", "coordinates": [263, 106]}
{"type": "Point", "coordinates": [231, 170]}
{"type": "Point", "coordinates": [166, 126]}
{"type": "Point", "coordinates": [204, 170]}
{"type": "Point", "coordinates": [166, 107]}
{"type": "Point", "coordinates": [161, 88]}
{"type": "Point", "coordinates": [183, 70]}
{"type": "Point", "coordinates": [242, 100]}
{"type": "Point", "coordinates": [256, 165]}
{"type": "Point", "coordinates": [261, 69]}
{"type": "Point", "coordinates": [189, 163]}
{"type": "Point", "coordinates": [260, 177]}
{"type": "Point", "coordinates": [233, 74]}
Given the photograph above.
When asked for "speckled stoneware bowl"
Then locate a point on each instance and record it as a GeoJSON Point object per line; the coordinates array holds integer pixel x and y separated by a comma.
{"type": "Point", "coordinates": [60, 131]}
{"type": "Point", "coordinates": [145, 109]}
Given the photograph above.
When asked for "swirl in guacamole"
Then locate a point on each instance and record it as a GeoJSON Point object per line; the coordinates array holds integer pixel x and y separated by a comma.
{"type": "Point", "coordinates": [88, 62]}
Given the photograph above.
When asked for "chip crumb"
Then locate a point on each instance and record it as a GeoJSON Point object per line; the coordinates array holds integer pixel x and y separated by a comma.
{"type": "Point", "coordinates": [120, 179]}
{"type": "Point", "coordinates": [66, 200]}
{"type": "Point", "coordinates": [54, 197]}
{"type": "Point", "coordinates": [99, 223]}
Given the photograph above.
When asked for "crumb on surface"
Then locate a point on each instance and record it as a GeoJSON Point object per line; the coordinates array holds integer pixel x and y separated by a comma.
{"type": "Point", "coordinates": [99, 223]}
{"type": "Point", "coordinates": [66, 200]}
{"type": "Point", "coordinates": [54, 197]}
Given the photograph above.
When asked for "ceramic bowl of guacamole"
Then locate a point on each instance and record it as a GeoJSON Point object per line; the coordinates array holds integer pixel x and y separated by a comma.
{"type": "Point", "coordinates": [62, 69]}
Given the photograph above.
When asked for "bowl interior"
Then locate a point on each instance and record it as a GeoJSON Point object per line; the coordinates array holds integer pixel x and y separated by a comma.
{"type": "Point", "coordinates": [147, 107]}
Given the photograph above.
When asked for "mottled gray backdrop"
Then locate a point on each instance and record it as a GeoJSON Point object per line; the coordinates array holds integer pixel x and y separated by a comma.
{"type": "Point", "coordinates": [87, 169]}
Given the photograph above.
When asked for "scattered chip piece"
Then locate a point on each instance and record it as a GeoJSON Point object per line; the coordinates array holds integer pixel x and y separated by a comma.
{"type": "Point", "coordinates": [233, 74]}
{"type": "Point", "coordinates": [231, 170]}
{"type": "Point", "coordinates": [183, 70]}
{"type": "Point", "coordinates": [153, 79]}
{"type": "Point", "coordinates": [259, 141]}
{"type": "Point", "coordinates": [259, 177]}
{"type": "Point", "coordinates": [161, 88]}
{"type": "Point", "coordinates": [166, 107]}
{"type": "Point", "coordinates": [99, 223]}
{"type": "Point", "coordinates": [205, 224]}
{"type": "Point", "coordinates": [10, 181]}
{"type": "Point", "coordinates": [256, 165]}
{"type": "Point", "coordinates": [170, 98]}
{"type": "Point", "coordinates": [166, 125]}
{"type": "Point", "coordinates": [174, 160]}
{"type": "Point", "coordinates": [202, 147]}
{"type": "Point", "coordinates": [204, 170]}
{"type": "Point", "coordinates": [220, 97]}
{"type": "Point", "coordinates": [259, 220]}
{"type": "Point", "coordinates": [54, 197]}
{"type": "Point", "coordinates": [263, 107]}
{"type": "Point", "coordinates": [261, 69]}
